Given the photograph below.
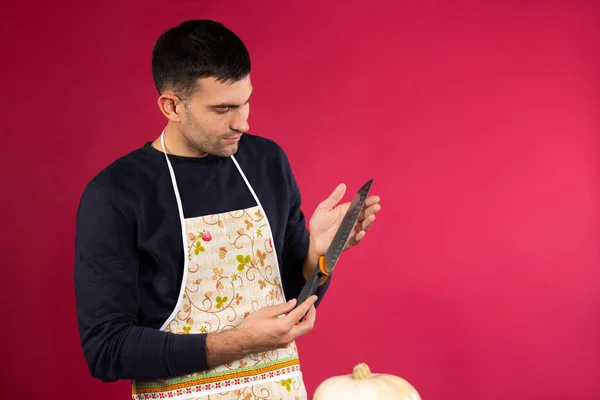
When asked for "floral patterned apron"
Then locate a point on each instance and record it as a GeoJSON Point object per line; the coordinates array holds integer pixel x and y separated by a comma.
{"type": "Point", "coordinates": [231, 270]}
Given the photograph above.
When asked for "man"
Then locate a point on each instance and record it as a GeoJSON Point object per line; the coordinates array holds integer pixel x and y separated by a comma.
{"type": "Point", "coordinates": [188, 247]}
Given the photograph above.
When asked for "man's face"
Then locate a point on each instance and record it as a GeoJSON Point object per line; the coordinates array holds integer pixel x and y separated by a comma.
{"type": "Point", "coordinates": [217, 115]}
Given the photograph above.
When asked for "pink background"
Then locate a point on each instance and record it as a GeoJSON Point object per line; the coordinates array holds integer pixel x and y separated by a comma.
{"type": "Point", "coordinates": [478, 120]}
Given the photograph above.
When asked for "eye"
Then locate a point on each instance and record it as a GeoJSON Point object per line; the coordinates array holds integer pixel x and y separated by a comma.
{"type": "Point", "coordinates": [222, 110]}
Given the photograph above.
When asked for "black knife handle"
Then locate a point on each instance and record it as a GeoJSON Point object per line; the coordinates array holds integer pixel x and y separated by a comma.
{"type": "Point", "coordinates": [311, 285]}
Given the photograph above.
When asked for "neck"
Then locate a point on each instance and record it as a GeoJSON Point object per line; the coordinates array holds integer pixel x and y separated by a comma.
{"type": "Point", "coordinates": [176, 144]}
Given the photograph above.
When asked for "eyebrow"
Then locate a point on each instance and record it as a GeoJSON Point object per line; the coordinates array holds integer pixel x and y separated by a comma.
{"type": "Point", "coordinates": [223, 105]}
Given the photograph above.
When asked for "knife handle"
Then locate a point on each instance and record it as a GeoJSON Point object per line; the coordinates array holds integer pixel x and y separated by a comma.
{"type": "Point", "coordinates": [311, 285]}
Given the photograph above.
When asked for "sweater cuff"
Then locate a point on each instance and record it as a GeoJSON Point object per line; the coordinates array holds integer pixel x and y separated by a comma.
{"type": "Point", "coordinates": [189, 353]}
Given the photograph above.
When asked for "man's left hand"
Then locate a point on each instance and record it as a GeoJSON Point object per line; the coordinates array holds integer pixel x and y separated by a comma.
{"type": "Point", "coordinates": [328, 216]}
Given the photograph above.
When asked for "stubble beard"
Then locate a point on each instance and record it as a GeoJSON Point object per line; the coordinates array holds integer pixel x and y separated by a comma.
{"type": "Point", "coordinates": [198, 140]}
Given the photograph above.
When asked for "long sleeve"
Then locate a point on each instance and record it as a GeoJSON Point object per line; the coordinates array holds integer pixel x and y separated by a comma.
{"type": "Point", "coordinates": [296, 243]}
{"type": "Point", "coordinates": [106, 288]}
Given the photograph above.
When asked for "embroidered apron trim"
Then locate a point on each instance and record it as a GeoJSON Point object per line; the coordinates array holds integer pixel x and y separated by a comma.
{"type": "Point", "coordinates": [243, 375]}
{"type": "Point", "coordinates": [285, 382]}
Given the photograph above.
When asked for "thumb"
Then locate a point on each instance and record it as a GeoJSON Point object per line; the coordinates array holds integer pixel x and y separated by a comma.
{"type": "Point", "coordinates": [334, 197]}
{"type": "Point", "coordinates": [279, 309]}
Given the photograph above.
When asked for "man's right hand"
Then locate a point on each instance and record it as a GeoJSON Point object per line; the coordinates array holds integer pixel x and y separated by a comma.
{"type": "Point", "coordinates": [264, 330]}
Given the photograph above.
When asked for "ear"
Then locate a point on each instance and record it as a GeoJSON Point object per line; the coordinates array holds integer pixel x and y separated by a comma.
{"type": "Point", "coordinates": [171, 106]}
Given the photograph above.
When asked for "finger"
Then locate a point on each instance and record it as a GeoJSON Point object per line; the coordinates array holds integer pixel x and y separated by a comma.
{"type": "Point", "coordinates": [359, 236]}
{"type": "Point", "coordinates": [372, 200]}
{"type": "Point", "coordinates": [351, 243]}
{"type": "Point", "coordinates": [367, 211]}
{"type": "Point", "coordinates": [363, 224]}
{"type": "Point", "coordinates": [279, 309]}
{"type": "Point", "coordinates": [334, 197]}
{"type": "Point", "coordinates": [352, 239]}
{"type": "Point", "coordinates": [372, 210]}
{"type": "Point", "coordinates": [366, 224]}
{"type": "Point", "coordinates": [306, 325]}
{"type": "Point", "coordinates": [299, 312]}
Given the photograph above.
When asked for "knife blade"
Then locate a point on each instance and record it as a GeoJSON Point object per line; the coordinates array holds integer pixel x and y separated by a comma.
{"type": "Point", "coordinates": [328, 262]}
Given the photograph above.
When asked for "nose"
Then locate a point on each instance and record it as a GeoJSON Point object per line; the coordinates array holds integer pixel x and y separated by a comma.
{"type": "Point", "coordinates": [239, 120]}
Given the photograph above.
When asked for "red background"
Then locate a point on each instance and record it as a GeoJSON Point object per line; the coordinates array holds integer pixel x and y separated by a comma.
{"type": "Point", "coordinates": [478, 121]}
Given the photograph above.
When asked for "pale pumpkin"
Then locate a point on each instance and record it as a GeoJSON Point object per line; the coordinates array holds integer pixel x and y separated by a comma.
{"type": "Point", "coordinates": [364, 385]}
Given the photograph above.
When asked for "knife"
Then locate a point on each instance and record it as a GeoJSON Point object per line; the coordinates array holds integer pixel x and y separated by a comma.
{"type": "Point", "coordinates": [328, 262]}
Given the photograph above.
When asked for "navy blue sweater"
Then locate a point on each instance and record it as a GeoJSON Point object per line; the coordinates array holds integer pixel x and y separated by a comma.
{"type": "Point", "coordinates": [129, 253]}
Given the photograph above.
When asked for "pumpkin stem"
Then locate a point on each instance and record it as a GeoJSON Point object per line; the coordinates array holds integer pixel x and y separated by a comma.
{"type": "Point", "coordinates": [361, 371]}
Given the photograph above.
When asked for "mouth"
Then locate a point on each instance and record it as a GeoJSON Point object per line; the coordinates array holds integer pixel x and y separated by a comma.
{"type": "Point", "coordinates": [232, 139]}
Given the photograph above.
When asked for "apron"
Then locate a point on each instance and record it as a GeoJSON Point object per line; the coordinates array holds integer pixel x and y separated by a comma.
{"type": "Point", "coordinates": [230, 271]}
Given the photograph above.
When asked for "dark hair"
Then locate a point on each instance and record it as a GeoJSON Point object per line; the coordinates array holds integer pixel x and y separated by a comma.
{"type": "Point", "coordinates": [197, 49]}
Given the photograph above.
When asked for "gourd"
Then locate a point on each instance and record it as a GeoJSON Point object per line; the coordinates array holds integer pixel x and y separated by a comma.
{"type": "Point", "coordinates": [364, 385]}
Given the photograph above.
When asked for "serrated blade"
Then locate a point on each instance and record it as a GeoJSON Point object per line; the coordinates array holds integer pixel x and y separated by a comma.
{"type": "Point", "coordinates": [343, 233]}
